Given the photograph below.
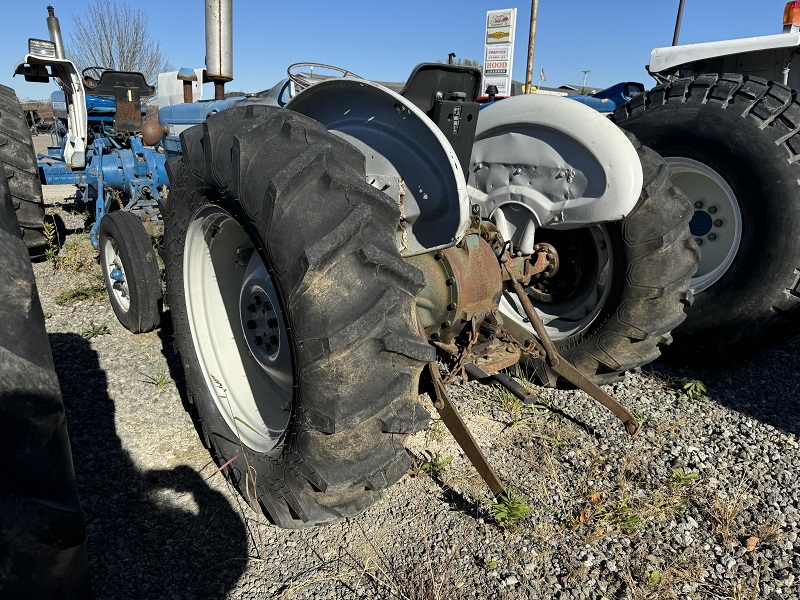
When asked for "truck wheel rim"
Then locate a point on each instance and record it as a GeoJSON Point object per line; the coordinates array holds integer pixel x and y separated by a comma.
{"type": "Point", "coordinates": [717, 221]}
{"type": "Point", "coordinates": [574, 314]}
{"type": "Point", "coordinates": [238, 329]}
{"type": "Point", "coordinates": [112, 261]}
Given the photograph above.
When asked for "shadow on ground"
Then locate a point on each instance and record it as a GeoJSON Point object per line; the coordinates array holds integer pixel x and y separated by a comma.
{"type": "Point", "coordinates": [765, 387]}
{"type": "Point", "coordinates": [140, 546]}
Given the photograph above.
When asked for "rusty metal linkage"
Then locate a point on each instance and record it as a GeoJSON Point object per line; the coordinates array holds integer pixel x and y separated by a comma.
{"type": "Point", "coordinates": [458, 429]}
{"type": "Point", "coordinates": [564, 368]}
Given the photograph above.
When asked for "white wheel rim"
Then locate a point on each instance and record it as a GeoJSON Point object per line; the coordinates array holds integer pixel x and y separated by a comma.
{"type": "Point", "coordinates": [717, 221]}
{"type": "Point", "coordinates": [563, 319]}
{"type": "Point", "coordinates": [231, 301]}
{"type": "Point", "coordinates": [114, 271]}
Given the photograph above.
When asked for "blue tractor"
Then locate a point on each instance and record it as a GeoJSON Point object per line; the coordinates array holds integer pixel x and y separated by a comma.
{"type": "Point", "coordinates": [98, 147]}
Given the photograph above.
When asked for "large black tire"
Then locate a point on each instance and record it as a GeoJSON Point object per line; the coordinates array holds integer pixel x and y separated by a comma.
{"type": "Point", "coordinates": [42, 530]}
{"type": "Point", "coordinates": [653, 258]}
{"type": "Point", "coordinates": [346, 297]}
{"type": "Point", "coordinates": [125, 246]}
{"type": "Point", "coordinates": [19, 161]}
{"type": "Point", "coordinates": [745, 129]}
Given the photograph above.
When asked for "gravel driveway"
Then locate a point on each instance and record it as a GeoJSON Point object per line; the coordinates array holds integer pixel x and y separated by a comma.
{"type": "Point", "coordinates": [702, 504]}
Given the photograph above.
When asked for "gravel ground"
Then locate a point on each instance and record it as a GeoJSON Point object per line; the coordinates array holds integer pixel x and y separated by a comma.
{"type": "Point", "coordinates": [702, 504]}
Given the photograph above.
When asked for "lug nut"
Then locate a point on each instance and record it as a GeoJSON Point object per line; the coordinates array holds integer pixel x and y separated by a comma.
{"type": "Point", "coordinates": [711, 237]}
{"type": "Point", "coordinates": [699, 241]}
{"type": "Point", "coordinates": [698, 204]}
{"type": "Point", "coordinates": [712, 209]}
{"type": "Point", "coordinates": [258, 340]}
{"type": "Point", "coordinates": [251, 324]}
{"type": "Point", "coordinates": [272, 323]}
{"type": "Point", "coordinates": [718, 223]}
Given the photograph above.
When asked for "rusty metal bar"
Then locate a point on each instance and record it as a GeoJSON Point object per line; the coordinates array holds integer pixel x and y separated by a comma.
{"type": "Point", "coordinates": [516, 388]}
{"type": "Point", "coordinates": [564, 368]}
{"type": "Point", "coordinates": [455, 424]}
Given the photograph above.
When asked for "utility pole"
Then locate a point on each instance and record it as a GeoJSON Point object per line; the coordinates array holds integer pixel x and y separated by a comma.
{"type": "Point", "coordinates": [678, 24]}
{"type": "Point", "coordinates": [585, 73]}
{"type": "Point", "coordinates": [531, 44]}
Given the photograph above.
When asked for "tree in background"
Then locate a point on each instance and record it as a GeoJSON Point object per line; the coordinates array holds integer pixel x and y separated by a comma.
{"type": "Point", "coordinates": [112, 35]}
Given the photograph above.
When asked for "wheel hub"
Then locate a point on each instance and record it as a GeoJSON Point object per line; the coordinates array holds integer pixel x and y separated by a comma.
{"type": "Point", "coordinates": [717, 221]}
{"type": "Point", "coordinates": [259, 318]}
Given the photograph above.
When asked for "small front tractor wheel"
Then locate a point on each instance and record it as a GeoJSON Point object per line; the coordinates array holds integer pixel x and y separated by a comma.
{"type": "Point", "coordinates": [732, 144]}
{"type": "Point", "coordinates": [21, 171]}
{"type": "Point", "coordinates": [130, 271]}
{"type": "Point", "coordinates": [620, 288]}
{"type": "Point", "coordinates": [294, 314]}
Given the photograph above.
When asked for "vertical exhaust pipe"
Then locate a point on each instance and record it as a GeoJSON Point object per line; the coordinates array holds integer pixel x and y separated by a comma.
{"type": "Point", "coordinates": [219, 44]}
{"type": "Point", "coordinates": [55, 32]}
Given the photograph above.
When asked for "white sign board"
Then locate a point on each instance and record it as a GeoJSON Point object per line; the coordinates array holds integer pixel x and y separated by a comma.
{"type": "Point", "coordinates": [498, 54]}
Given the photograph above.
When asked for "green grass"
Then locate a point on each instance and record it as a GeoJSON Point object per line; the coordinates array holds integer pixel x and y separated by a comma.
{"type": "Point", "coordinates": [96, 330]}
{"type": "Point", "coordinates": [160, 379]}
{"type": "Point", "coordinates": [82, 292]}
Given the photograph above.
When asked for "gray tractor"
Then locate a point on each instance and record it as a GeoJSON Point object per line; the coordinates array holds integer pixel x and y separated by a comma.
{"type": "Point", "coordinates": [726, 118]}
{"type": "Point", "coordinates": [324, 243]}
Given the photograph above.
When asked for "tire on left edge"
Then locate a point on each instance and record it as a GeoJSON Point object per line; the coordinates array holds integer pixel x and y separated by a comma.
{"type": "Point", "coordinates": [271, 229]}
{"type": "Point", "coordinates": [42, 530]}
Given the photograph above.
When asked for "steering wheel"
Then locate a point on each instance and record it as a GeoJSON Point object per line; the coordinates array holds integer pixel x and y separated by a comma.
{"type": "Point", "coordinates": [90, 82]}
{"type": "Point", "coordinates": [302, 81]}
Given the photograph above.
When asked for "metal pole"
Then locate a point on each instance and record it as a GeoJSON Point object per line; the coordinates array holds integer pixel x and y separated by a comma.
{"type": "Point", "coordinates": [585, 73]}
{"type": "Point", "coordinates": [678, 24]}
{"type": "Point", "coordinates": [531, 44]}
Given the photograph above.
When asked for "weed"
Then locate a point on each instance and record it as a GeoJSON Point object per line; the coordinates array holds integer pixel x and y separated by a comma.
{"type": "Point", "coordinates": [96, 330]}
{"type": "Point", "coordinates": [82, 292]}
{"type": "Point", "coordinates": [510, 510]}
{"type": "Point", "coordinates": [51, 237]}
{"type": "Point", "coordinates": [652, 578]}
{"type": "Point", "coordinates": [436, 431]}
{"type": "Point", "coordinates": [690, 389]}
{"type": "Point", "coordinates": [490, 563]}
{"type": "Point", "coordinates": [683, 478]}
{"type": "Point", "coordinates": [436, 465]}
{"type": "Point", "coordinates": [160, 379]}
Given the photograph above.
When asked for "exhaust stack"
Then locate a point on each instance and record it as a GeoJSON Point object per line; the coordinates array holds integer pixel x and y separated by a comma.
{"type": "Point", "coordinates": [219, 44]}
{"type": "Point", "coordinates": [55, 32]}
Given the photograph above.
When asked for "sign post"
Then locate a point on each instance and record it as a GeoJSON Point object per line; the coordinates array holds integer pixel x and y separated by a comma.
{"type": "Point", "coordinates": [499, 49]}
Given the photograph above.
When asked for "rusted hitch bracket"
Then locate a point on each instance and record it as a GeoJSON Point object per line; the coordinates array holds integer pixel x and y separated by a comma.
{"type": "Point", "coordinates": [564, 368]}
{"type": "Point", "coordinates": [455, 424]}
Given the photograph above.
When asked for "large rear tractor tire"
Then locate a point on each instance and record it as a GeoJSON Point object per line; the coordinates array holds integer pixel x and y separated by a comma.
{"type": "Point", "coordinates": [42, 530]}
{"type": "Point", "coordinates": [293, 312]}
{"type": "Point", "coordinates": [130, 271]}
{"type": "Point", "coordinates": [21, 171]}
{"type": "Point", "coordinates": [621, 288]}
{"type": "Point", "coordinates": [733, 146]}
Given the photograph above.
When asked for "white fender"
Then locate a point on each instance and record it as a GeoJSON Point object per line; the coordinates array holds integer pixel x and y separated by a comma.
{"type": "Point", "coordinates": [408, 158]}
{"type": "Point", "coordinates": [546, 161]}
{"type": "Point", "coordinates": [70, 80]}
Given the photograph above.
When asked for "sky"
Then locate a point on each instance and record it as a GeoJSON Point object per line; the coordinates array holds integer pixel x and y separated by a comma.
{"type": "Point", "coordinates": [383, 40]}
